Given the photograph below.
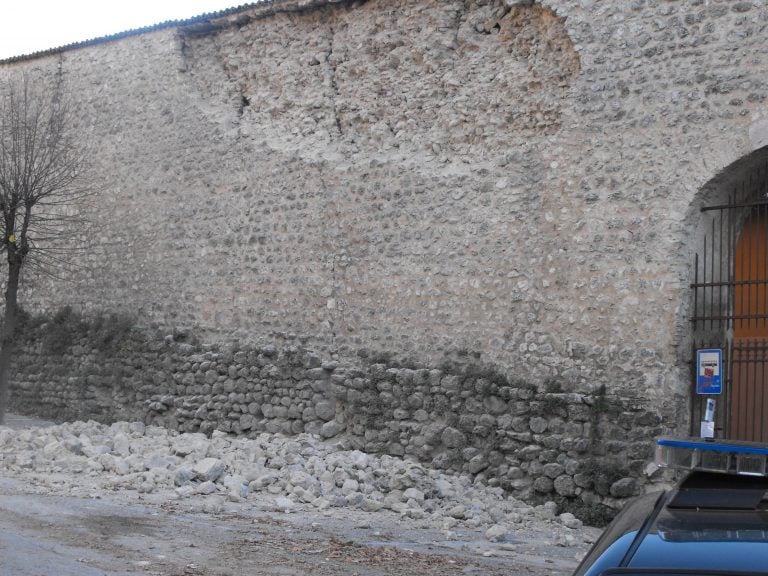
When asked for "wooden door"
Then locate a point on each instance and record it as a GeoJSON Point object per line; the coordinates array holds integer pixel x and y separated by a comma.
{"type": "Point", "coordinates": [749, 368]}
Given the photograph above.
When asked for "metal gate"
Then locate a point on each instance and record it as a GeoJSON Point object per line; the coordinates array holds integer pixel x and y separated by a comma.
{"type": "Point", "coordinates": [730, 310]}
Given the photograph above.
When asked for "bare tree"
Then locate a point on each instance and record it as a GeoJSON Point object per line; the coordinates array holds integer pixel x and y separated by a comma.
{"type": "Point", "coordinates": [42, 166]}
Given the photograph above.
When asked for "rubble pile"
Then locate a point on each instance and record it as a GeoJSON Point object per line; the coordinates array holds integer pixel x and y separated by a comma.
{"type": "Point", "coordinates": [288, 473]}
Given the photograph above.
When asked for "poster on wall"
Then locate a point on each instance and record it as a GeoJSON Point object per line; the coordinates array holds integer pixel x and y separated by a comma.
{"type": "Point", "coordinates": [709, 365]}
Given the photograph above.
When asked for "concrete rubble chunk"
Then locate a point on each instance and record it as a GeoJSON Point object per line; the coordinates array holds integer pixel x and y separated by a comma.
{"type": "Point", "coordinates": [413, 494]}
{"type": "Point", "coordinates": [206, 488]}
{"type": "Point", "coordinates": [121, 444]}
{"type": "Point", "coordinates": [570, 521]}
{"type": "Point", "coordinates": [183, 476]}
{"type": "Point", "coordinates": [284, 504]}
{"type": "Point", "coordinates": [137, 428]}
{"type": "Point", "coordinates": [444, 488]}
{"type": "Point", "coordinates": [209, 469]}
{"type": "Point", "coordinates": [349, 486]}
{"type": "Point", "coordinates": [164, 461]}
{"type": "Point", "coordinates": [496, 533]}
{"type": "Point", "coordinates": [193, 443]}
{"type": "Point", "coordinates": [262, 481]}
{"type": "Point", "coordinates": [281, 473]}
{"type": "Point", "coordinates": [74, 445]}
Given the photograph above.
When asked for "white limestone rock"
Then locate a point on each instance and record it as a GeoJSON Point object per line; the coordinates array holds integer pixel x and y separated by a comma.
{"type": "Point", "coordinates": [209, 469]}
{"type": "Point", "coordinates": [496, 533]}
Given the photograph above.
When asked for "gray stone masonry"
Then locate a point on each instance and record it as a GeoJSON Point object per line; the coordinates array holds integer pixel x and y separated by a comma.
{"type": "Point", "coordinates": [462, 417]}
{"type": "Point", "coordinates": [442, 184]}
{"type": "Point", "coordinates": [419, 177]}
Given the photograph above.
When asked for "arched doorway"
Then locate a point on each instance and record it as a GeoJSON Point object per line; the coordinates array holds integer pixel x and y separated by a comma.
{"type": "Point", "coordinates": [730, 303]}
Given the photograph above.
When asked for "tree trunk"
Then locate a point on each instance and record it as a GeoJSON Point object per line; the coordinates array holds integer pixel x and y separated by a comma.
{"type": "Point", "coordinates": [8, 340]}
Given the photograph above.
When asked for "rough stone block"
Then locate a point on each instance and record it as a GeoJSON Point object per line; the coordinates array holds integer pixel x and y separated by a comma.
{"type": "Point", "coordinates": [209, 469]}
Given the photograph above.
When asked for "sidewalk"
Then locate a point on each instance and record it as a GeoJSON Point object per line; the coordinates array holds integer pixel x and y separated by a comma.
{"type": "Point", "coordinates": [18, 422]}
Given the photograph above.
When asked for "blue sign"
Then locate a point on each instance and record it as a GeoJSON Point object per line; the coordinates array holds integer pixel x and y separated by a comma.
{"type": "Point", "coordinates": [709, 372]}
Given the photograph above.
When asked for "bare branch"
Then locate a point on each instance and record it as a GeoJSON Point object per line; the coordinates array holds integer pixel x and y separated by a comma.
{"type": "Point", "coordinates": [42, 168]}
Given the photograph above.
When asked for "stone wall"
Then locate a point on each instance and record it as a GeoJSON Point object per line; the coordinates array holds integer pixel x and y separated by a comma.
{"type": "Point", "coordinates": [503, 183]}
{"type": "Point", "coordinates": [462, 417]}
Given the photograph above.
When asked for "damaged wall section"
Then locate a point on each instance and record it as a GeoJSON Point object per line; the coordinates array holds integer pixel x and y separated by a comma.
{"type": "Point", "coordinates": [508, 182]}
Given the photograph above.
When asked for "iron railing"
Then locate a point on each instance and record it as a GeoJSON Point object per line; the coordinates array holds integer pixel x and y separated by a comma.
{"type": "Point", "coordinates": [730, 310]}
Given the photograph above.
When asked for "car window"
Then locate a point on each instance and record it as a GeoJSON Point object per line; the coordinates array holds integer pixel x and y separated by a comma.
{"type": "Point", "coordinates": [610, 556]}
{"type": "Point", "coordinates": [615, 541]}
{"type": "Point", "coordinates": [730, 555]}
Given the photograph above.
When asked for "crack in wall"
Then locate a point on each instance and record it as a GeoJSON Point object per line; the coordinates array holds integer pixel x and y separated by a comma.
{"type": "Point", "coordinates": [345, 104]}
{"type": "Point", "coordinates": [183, 52]}
{"type": "Point", "coordinates": [236, 88]}
{"type": "Point", "coordinates": [331, 75]}
{"type": "Point", "coordinates": [245, 101]}
{"type": "Point", "coordinates": [332, 304]}
{"type": "Point", "coordinates": [458, 19]}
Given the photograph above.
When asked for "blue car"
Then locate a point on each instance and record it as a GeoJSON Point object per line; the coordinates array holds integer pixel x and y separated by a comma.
{"type": "Point", "coordinates": [713, 523]}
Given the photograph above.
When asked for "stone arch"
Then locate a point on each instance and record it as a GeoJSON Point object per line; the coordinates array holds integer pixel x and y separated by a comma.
{"type": "Point", "coordinates": [722, 272]}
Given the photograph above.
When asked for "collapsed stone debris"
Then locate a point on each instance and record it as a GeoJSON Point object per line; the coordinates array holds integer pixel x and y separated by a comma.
{"type": "Point", "coordinates": [284, 473]}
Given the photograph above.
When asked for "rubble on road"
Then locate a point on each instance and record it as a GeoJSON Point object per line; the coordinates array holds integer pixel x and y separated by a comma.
{"type": "Point", "coordinates": [286, 473]}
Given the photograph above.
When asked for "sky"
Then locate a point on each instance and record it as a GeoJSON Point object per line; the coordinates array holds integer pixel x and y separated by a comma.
{"type": "Point", "coordinates": [28, 26]}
